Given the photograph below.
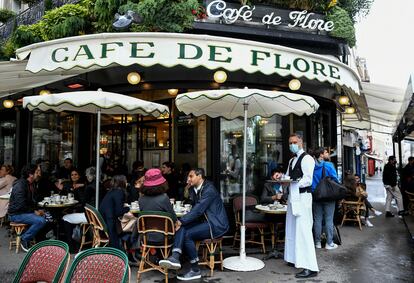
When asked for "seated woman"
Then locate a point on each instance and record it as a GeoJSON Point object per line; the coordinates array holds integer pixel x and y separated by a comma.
{"type": "Point", "coordinates": [354, 193]}
{"type": "Point", "coordinates": [112, 207]}
{"type": "Point", "coordinates": [6, 182]}
{"type": "Point", "coordinates": [362, 188]}
{"type": "Point", "coordinates": [271, 191]}
{"type": "Point", "coordinates": [85, 195]}
{"type": "Point", "coordinates": [154, 197]}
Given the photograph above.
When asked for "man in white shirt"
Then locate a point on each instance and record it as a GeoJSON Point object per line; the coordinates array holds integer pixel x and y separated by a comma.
{"type": "Point", "coordinates": [299, 244]}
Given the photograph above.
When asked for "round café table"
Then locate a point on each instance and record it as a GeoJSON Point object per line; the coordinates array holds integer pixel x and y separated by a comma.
{"type": "Point", "coordinates": [56, 210]}
{"type": "Point", "coordinates": [271, 211]}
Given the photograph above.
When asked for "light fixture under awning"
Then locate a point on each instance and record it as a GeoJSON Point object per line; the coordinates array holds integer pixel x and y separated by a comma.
{"type": "Point", "coordinates": [189, 50]}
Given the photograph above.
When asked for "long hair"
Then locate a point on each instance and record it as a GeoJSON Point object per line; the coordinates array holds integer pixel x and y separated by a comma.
{"type": "Point", "coordinates": [118, 181]}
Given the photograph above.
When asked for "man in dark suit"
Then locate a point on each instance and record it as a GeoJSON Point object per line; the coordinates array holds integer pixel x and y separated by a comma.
{"type": "Point", "coordinates": [206, 220]}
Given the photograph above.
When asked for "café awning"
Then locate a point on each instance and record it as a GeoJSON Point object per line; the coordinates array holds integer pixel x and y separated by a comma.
{"type": "Point", "coordinates": [386, 106]}
{"type": "Point", "coordinates": [188, 50]}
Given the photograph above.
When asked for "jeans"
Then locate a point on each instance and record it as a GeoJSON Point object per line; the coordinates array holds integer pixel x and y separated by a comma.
{"type": "Point", "coordinates": [185, 237]}
{"type": "Point", "coordinates": [323, 211]}
{"type": "Point", "coordinates": [36, 223]}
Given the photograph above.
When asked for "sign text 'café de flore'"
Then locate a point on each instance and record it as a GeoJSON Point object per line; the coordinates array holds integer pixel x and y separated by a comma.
{"type": "Point", "coordinates": [169, 50]}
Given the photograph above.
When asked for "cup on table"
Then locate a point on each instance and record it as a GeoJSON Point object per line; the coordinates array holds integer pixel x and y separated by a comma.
{"type": "Point", "coordinates": [187, 207]}
{"type": "Point", "coordinates": [178, 203]}
{"type": "Point", "coordinates": [57, 198]}
{"type": "Point", "coordinates": [134, 205]}
{"type": "Point", "coordinates": [71, 196]}
{"type": "Point", "coordinates": [64, 198]}
{"type": "Point", "coordinates": [46, 199]}
{"type": "Point", "coordinates": [172, 201]}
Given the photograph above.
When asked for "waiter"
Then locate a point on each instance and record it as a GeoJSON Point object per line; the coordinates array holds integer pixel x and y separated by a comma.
{"type": "Point", "coordinates": [299, 245]}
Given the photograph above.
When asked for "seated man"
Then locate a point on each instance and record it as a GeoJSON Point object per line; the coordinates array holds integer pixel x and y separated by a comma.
{"type": "Point", "coordinates": [271, 191]}
{"type": "Point", "coordinates": [206, 220]}
{"type": "Point", "coordinates": [22, 204]}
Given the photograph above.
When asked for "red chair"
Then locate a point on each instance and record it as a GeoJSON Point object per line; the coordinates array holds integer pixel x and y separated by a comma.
{"type": "Point", "coordinates": [45, 262]}
{"type": "Point", "coordinates": [252, 226]}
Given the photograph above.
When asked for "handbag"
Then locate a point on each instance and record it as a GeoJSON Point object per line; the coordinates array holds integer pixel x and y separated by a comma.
{"type": "Point", "coordinates": [328, 189]}
{"type": "Point", "coordinates": [127, 222]}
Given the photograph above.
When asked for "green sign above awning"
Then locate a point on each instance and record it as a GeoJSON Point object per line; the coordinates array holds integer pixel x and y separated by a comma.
{"type": "Point", "coordinates": [170, 49]}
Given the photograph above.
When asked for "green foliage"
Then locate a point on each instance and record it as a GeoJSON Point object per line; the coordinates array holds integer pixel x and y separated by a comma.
{"type": "Point", "coordinates": [104, 12]}
{"type": "Point", "coordinates": [130, 6]}
{"type": "Point", "coordinates": [26, 35]}
{"type": "Point", "coordinates": [343, 25]}
{"type": "Point", "coordinates": [67, 20]}
{"type": "Point", "coordinates": [356, 8]}
{"type": "Point", "coordinates": [166, 15]}
{"type": "Point", "coordinates": [7, 50]}
{"type": "Point", "coordinates": [6, 15]}
{"type": "Point", "coordinates": [48, 5]}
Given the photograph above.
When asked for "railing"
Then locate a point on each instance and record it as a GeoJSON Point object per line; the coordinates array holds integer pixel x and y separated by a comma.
{"type": "Point", "coordinates": [29, 16]}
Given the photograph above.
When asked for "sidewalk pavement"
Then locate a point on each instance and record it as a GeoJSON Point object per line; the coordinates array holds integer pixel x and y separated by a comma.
{"type": "Point", "coordinates": [384, 253]}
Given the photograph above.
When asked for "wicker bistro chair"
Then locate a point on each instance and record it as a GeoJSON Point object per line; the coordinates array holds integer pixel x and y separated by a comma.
{"type": "Point", "coordinates": [252, 226]}
{"type": "Point", "coordinates": [102, 264]}
{"type": "Point", "coordinates": [99, 228]}
{"type": "Point", "coordinates": [148, 223]}
{"type": "Point", "coordinates": [352, 211]}
{"type": "Point", "coordinates": [45, 262]}
{"type": "Point", "coordinates": [212, 253]}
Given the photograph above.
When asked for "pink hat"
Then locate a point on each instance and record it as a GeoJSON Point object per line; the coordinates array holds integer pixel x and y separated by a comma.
{"type": "Point", "coordinates": [153, 177]}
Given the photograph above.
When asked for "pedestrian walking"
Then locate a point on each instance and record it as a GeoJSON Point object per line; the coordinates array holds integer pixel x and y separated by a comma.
{"type": "Point", "coordinates": [389, 178]}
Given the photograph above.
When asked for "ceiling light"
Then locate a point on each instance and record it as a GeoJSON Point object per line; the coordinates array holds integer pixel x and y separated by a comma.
{"type": "Point", "coordinates": [8, 103]}
{"type": "Point", "coordinates": [220, 77]}
{"type": "Point", "coordinates": [349, 110]}
{"type": "Point", "coordinates": [343, 100]}
{"type": "Point", "coordinates": [173, 91]}
{"type": "Point", "coordinates": [134, 78]}
{"type": "Point", "coordinates": [76, 83]}
{"type": "Point", "coordinates": [294, 84]}
{"type": "Point", "coordinates": [44, 92]}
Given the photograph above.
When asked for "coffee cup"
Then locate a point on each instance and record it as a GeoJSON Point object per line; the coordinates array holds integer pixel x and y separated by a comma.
{"type": "Point", "coordinates": [46, 199]}
{"type": "Point", "coordinates": [178, 202]}
{"type": "Point", "coordinates": [172, 201]}
{"type": "Point", "coordinates": [187, 207]}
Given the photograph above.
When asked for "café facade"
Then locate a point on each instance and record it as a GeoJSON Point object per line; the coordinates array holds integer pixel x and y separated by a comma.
{"type": "Point", "coordinates": [217, 54]}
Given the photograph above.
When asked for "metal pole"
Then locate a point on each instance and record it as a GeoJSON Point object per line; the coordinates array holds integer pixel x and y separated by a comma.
{"type": "Point", "coordinates": [98, 173]}
{"type": "Point", "coordinates": [243, 227]}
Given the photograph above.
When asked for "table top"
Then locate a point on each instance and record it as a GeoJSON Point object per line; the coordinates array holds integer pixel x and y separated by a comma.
{"type": "Point", "coordinates": [65, 204]}
{"type": "Point", "coordinates": [179, 213]}
{"type": "Point", "coordinates": [6, 196]}
{"type": "Point", "coordinates": [267, 209]}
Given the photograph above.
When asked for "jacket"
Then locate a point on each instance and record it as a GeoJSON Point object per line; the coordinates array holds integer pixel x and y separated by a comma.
{"type": "Point", "coordinates": [21, 198]}
{"type": "Point", "coordinates": [209, 206]}
{"type": "Point", "coordinates": [157, 203]}
{"type": "Point", "coordinates": [389, 176]}
{"type": "Point", "coordinates": [329, 171]}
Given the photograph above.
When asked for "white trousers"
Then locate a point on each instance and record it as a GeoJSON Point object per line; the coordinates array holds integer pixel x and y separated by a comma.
{"type": "Point", "coordinates": [393, 192]}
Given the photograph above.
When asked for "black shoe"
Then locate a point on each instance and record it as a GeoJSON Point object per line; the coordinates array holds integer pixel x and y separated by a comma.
{"type": "Point", "coordinates": [306, 273]}
{"type": "Point", "coordinates": [190, 275]}
{"type": "Point", "coordinates": [25, 246]}
{"type": "Point", "coordinates": [170, 263]}
{"type": "Point", "coordinates": [389, 214]}
{"type": "Point", "coordinates": [291, 264]}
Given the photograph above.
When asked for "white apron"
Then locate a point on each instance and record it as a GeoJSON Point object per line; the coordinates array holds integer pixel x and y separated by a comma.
{"type": "Point", "coordinates": [299, 245]}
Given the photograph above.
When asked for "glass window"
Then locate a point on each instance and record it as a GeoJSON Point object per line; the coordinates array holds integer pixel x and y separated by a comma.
{"type": "Point", "coordinates": [7, 139]}
{"type": "Point", "coordinates": [52, 136]}
{"type": "Point", "coordinates": [264, 153]}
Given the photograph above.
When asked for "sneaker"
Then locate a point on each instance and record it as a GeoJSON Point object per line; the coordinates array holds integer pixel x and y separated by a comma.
{"type": "Point", "coordinates": [389, 214]}
{"type": "Point", "coordinates": [377, 213]}
{"type": "Point", "coordinates": [318, 245]}
{"type": "Point", "coordinates": [170, 263]}
{"type": "Point", "coordinates": [368, 223]}
{"type": "Point", "coordinates": [190, 275]}
{"type": "Point", "coordinates": [25, 246]}
{"type": "Point", "coordinates": [331, 246]}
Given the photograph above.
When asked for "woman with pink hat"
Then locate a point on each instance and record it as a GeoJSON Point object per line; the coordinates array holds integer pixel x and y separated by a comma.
{"type": "Point", "coordinates": [154, 197]}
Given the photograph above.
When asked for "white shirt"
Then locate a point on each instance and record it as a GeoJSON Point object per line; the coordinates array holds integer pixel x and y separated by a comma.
{"type": "Point", "coordinates": [197, 189]}
{"type": "Point", "coordinates": [307, 165]}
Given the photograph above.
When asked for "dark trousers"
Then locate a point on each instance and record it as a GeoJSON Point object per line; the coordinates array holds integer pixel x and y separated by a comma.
{"type": "Point", "coordinates": [186, 236]}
